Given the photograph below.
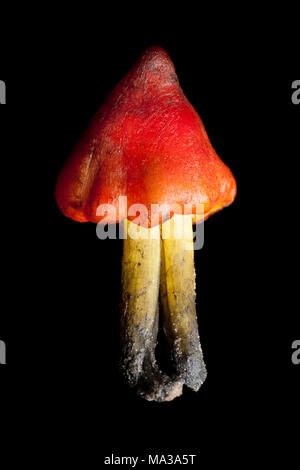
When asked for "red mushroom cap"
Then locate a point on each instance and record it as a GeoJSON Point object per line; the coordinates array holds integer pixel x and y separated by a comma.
{"type": "Point", "coordinates": [148, 143]}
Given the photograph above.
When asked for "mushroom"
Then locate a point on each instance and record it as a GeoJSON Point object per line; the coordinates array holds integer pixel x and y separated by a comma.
{"type": "Point", "coordinates": [147, 142]}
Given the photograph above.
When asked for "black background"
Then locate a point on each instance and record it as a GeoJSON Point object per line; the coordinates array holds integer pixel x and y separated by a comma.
{"type": "Point", "coordinates": [60, 316]}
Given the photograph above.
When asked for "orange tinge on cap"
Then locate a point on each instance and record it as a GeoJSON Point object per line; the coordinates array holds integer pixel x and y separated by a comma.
{"type": "Point", "coordinates": [146, 142]}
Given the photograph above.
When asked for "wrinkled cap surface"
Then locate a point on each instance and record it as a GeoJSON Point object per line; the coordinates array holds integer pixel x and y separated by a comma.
{"type": "Point", "coordinates": [146, 142]}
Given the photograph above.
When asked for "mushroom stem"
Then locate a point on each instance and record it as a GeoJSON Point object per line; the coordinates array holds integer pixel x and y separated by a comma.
{"type": "Point", "coordinates": [139, 315]}
{"type": "Point", "coordinates": [140, 289]}
{"type": "Point", "coordinates": [153, 259]}
{"type": "Point", "coordinates": [177, 293]}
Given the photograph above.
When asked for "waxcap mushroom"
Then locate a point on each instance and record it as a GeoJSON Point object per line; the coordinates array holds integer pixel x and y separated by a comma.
{"type": "Point", "coordinates": [148, 144]}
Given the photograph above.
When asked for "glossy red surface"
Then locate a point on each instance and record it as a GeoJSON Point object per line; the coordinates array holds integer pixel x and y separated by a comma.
{"type": "Point", "coordinates": [148, 143]}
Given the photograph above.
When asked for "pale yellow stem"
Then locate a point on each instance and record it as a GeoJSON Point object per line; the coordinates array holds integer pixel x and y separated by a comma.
{"type": "Point", "coordinates": [139, 315]}
{"type": "Point", "coordinates": [177, 293]}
